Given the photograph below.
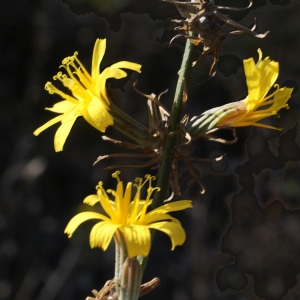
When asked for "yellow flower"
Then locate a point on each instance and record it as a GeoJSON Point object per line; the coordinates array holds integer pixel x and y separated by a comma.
{"type": "Point", "coordinates": [89, 98]}
{"type": "Point", "coordinates": [130, 218]}
{"type": "Point", "coordinates": [260, 78]}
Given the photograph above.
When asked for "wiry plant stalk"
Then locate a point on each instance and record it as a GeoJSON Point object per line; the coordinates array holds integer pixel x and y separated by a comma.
{"type": "Point", "coordinates": [174, 123]}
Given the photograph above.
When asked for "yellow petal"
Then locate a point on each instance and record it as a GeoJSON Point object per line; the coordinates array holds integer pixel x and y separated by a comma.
{"type": "Point", "coordinates": [61, 107]}
{"type": "Point", "coordinates": [173, 230]}
{"type": "Point", "coordinates": [268, 70]}
{"type": "Point", "coordinates": [138, 239]}
{"type": "Point", "coordinates": [62, 134]}
{"type": "Point", "coordinates": [260, 78]}
{"type": "Point", "coordinates": [122, 202]}
{"type": "Point", "coordinates": [110, 72]}
{"type": "Point", "coordinates": [80, 218]}
{"type": "Point", "coordinates": [126, 65]}
{"type": "Point", "coordinates": [96, 114]}
{"type": "Point", "coordinates": [153, 217]}
{"type": "Point", "coordinates": [98, 53]}
{"type": "Point", "coordinates": [91, 200]}
{"type": "Point", "coordinates": [101, 81]}
{"type": "Point", "coordinates": [175, 206]}
{"type": "Point", "coordinates": [47, 125]}
{"type": "Point", "coordinates": [265, 126]}
{"type": "Point", "coordinates": [160, 213]}
{"type": "Point", "coordinates": [280, 98]}
{"type": "Point", "coordinates": [105, 202]}
{"type": "Point", "coordinates": [101, 234]}
{"type": "Point", "coordinates": [114, 71]}
{"type": "Point", "coordinates": [252, 79]}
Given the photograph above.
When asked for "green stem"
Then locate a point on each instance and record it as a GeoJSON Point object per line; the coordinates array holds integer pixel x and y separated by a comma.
{"type": "Point", "coordinates": [174, 123]}
{"type": "Point", "coordinates": [169, 148]}
{"type": "Point", "coordinates": [130, 127]}
{"type": "Point", "coordinates": [120, 256]}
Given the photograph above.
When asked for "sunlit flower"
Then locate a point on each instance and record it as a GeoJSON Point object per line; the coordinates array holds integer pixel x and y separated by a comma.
{"type": "Point", "coordinates": [89, 97]}
{"type": "Point", "coordinates": [128, 215]}
{"type": "Point", "coordinates": [260, 78]}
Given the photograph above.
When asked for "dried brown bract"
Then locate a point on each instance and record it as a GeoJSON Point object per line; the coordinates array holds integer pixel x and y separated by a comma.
{"type": "Point", "coordinates": [158, 126]}
{"type": "Point", "coordinates": [204, 25]}
{"type": "Point", "coordinates": [108, 292]}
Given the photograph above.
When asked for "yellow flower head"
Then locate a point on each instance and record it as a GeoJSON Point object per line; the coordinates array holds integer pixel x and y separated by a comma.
{"type": "Point", "coordinates": [260, 78]}
{"type": "Point", "coordinates": [89, 97]}
{"type": "Point", "coordinates": [129, 216]}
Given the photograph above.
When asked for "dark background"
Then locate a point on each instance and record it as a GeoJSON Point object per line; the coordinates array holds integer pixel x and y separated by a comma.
{"type": "Point", "coordinates": [242, 234]}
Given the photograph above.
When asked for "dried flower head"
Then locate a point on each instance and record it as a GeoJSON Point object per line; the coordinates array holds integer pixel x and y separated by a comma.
{"type": "Point", "coordinates": [207, 24]}
{"type": "Point", "coordinates": [152, 152]}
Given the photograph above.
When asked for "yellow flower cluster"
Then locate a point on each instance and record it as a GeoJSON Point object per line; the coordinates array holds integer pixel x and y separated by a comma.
{"type": "Point", "coordinates": [127, 216]}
